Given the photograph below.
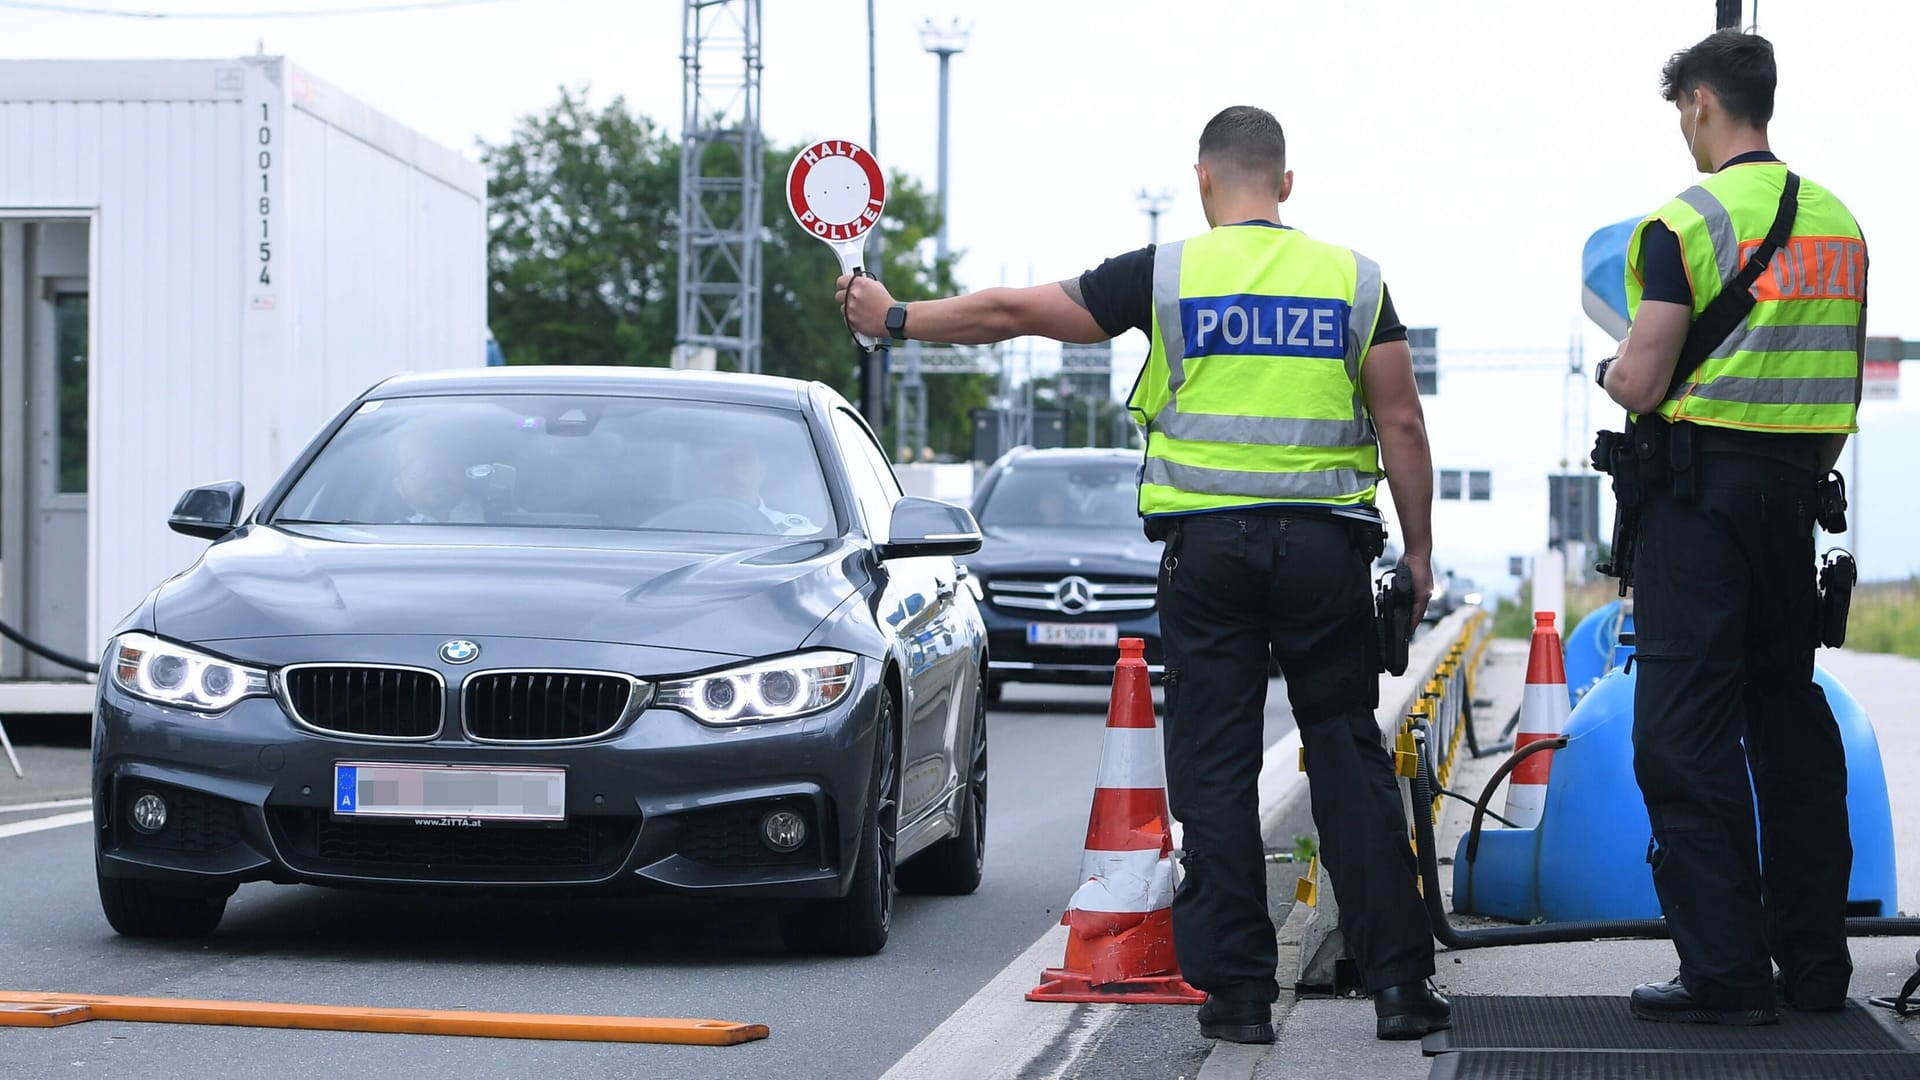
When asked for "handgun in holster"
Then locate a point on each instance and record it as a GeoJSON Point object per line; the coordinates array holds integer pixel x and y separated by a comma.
{"type": "Point", "coordinates": [1636, 459]}
{"type": "Point", "coordinates": [1837, 578]}
{"type": "Point", "coordinates": [1830, 505]}
{"type": "Point", "coordinates": [1393, 619]}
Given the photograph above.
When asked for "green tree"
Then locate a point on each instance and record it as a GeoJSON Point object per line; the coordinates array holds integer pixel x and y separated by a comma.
{"type": "Point", "coordinates": [582, 241]}
{"type": "Point", "coordinates": [583, 257]}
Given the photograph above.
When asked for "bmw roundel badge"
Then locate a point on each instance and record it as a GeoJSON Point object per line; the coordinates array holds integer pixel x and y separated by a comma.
{"type": "Point", "coordinates": [459, 652]}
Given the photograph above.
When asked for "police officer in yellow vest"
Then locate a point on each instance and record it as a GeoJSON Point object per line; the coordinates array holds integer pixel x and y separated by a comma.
{"type": "Point", "coordinates": [1725, 598]}
{"type": "Point", "coordinates": [1278, 378]}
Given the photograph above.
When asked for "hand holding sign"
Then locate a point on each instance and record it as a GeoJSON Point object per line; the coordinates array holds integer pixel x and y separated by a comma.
{"type": "Point", "coordinates": [836, 192]}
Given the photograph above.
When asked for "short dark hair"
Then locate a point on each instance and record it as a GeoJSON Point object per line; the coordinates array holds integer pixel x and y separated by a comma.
{"type": "Point", "coordinates": [1246, 138]}
{"type": "Point", "coordinates": [1739, 67]}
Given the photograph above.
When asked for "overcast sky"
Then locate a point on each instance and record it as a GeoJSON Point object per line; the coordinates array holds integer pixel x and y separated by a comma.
{"type": "Point", "coordinates": [1469, 146]}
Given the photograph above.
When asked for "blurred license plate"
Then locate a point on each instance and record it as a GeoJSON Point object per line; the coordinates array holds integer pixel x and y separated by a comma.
{"type": "Point", "coordinates": [1055, 633]}
{"type": "Point", "coordinates": [470, 792]}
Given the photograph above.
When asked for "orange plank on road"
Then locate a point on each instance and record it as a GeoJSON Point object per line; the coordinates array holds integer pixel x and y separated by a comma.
{"type": "Point", "coordinates": [37, 1014]}
{"type": "Point", "coordinates": [30, 1008]}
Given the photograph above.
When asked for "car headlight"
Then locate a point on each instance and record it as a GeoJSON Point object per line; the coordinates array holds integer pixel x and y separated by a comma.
{"type": "Point", "coordinates": [1472, 599]}
{"type": "Point", "coordinates": [170, 674]}
{"type": "Point", "coordinates": [778, 689]}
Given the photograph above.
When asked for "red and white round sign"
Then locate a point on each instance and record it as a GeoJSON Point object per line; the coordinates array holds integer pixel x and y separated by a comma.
{"type": "Point", "coordinates": [835, 191]}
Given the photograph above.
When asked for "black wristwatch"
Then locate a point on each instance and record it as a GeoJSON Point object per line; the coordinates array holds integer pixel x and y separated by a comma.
{"type": "Point", "coordinates": [897, 322]}
{"type": "Point", "coordinates": [1600, 371]}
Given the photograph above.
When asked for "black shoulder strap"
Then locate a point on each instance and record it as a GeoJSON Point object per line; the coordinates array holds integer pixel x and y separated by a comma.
{"type": "Point", "coordinates": [1727, 311]}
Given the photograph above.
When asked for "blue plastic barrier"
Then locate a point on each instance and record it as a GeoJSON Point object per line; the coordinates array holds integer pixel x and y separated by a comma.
{"type": "Point", "coordinates": [1587, 858]}
{"type": "Point", "coordinates": [1593, 650]}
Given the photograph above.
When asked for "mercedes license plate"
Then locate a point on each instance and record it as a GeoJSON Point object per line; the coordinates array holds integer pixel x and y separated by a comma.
{"type": "Point", "coordinates": [433, 794]}
{"type": "Point", "coordinates": [1054, 633]}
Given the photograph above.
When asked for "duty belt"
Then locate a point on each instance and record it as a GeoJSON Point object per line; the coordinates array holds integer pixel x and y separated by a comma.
{"type": "Point", "coordinates": [1798, 450]}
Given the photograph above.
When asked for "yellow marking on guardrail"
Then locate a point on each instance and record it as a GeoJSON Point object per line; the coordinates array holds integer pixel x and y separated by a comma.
{"type": "Point", "coordinates": [32, 1009]}
{"type": "Point", "coordinates": [1406, 758]}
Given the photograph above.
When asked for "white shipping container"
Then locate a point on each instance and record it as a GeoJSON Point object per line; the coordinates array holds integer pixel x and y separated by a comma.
{"type": "Point", "coordinates": [200, 263]}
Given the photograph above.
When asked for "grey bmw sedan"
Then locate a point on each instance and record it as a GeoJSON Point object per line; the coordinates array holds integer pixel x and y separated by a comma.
{"type": "Point", "coordinates": [557, 627]}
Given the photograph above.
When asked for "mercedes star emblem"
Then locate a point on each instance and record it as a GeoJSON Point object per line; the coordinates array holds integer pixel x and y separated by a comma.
{"type": "Point", "coordinates": [1073, 594]}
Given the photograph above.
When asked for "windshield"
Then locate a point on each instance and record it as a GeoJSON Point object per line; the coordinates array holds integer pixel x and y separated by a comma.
{"type": "Point", "coordinates": [570, 462]}
{"type": "Point", "coordinates": [1092, 494]}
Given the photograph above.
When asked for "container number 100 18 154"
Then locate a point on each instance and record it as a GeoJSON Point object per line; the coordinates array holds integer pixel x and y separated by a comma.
{"type": "Point", "coordinates": [264, 160]}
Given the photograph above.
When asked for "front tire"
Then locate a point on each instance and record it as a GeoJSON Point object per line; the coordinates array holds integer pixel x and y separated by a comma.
{"type": "Point", "coordinates": [142, 909]}
{"type": "Point", "coordinates": [857, 924]}
{"type": "Point", "coordinates": [953, 866]}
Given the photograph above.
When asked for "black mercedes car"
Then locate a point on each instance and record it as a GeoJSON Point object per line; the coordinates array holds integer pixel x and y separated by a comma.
{"type": "Point", "coordinates": [1064, 571]}
{"type": "Point", "coordinates": [531, 628]}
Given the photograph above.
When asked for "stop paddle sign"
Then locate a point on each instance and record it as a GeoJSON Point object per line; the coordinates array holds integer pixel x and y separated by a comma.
{"type": "Point", "coordinates": [837, 193]}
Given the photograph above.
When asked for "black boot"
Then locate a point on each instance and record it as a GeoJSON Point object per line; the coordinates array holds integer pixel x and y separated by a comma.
{"type": "Point", "coordinates": [1410, 1010]}
{"type": "Point", "coordinates": [1671, 1002]}
{"type": "Point", "coordinates": [1240, 1020]}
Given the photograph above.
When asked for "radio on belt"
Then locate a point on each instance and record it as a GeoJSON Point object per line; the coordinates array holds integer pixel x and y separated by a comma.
{"type": "Point", "coordinates": [837, 193]}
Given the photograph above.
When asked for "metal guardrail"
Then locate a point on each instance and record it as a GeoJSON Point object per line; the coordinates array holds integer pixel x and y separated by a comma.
{"type": "Point", "coordinates": [1445, 706]}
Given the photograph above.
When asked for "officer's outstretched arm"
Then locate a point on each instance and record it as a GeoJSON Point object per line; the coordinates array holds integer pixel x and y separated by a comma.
{"type": "Point", "coordinates": [1392, 399]}
{"type": "Point", "coordinates": [979, 318]}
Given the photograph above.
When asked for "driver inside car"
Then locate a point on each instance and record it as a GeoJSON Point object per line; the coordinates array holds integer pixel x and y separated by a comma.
{"type": "Point", "coordinates": [738, 472]}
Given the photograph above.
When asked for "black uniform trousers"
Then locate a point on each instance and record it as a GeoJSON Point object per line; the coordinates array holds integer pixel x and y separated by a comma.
{"type": "Point", "coordinates": [1235, 585]}
{"type": "Point", "coordinates": [1724, 607]}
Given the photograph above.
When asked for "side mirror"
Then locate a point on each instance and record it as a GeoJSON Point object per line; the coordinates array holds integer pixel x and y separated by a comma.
{"type": "Point", "coordinates": [929, 527]}
{"type": "Point", "coordinates": [209, 512]}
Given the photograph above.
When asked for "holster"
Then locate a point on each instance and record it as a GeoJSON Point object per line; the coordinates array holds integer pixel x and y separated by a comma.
{"type": "Point", "coordinates": [1393, 619]}
{"type": "Point", "coordinates": [1831, 503]}
{"type": "Point", "coordinates": [1837, 578]}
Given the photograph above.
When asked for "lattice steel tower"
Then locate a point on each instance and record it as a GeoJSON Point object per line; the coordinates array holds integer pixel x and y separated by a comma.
{"type": "Point", "coordinates": [721, 163]}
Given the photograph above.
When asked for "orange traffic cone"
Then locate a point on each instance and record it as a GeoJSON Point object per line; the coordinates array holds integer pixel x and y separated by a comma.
{"type": "Point", "coordinates": [1543, 715]}
{"type": "Point", "coordinates": [1121, 943]}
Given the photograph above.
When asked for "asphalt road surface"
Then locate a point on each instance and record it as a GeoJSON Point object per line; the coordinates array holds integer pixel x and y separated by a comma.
{"type": "Point", "coordinates": [829, 1018]}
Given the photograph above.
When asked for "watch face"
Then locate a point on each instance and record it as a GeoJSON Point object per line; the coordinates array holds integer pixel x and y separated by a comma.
{"type": "Point", "coordinates": [896, 319]}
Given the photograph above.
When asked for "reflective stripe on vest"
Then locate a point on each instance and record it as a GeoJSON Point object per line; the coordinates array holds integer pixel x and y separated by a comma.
{"type": "Point", "coordinates": [1792, 367]}
{"type": "Point", "coordinates": [1281, 417]}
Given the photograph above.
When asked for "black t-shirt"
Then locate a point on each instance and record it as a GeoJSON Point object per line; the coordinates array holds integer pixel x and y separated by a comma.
{"type": "Point", "coordinates": [1119, 296]}
{"type": "Point", "coordinates": [1663, 270]}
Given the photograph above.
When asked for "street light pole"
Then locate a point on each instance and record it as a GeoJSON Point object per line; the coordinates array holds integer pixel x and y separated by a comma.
{"type": "Point", "coordinates": [944, 42]}
{"type": "Point", "coordinates": [1153, 204]}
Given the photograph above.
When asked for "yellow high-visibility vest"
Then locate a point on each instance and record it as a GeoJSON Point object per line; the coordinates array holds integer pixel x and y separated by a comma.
{"type": "Point", "coordinates": [1792, 367]}
{"type": "Point", "coordinates": [1251, 390]}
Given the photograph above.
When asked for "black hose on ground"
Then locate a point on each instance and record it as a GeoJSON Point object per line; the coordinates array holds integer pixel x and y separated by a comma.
{"type": "Point", "coordinates": [45, 653]}
{"type": "Point", "coordinates": [1544, 933]}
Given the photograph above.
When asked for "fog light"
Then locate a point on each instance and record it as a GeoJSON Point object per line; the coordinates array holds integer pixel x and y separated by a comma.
{"type": "Point", "coordinates": [783, 830]}
{"type": "Point", "coordinates": [149, 813]}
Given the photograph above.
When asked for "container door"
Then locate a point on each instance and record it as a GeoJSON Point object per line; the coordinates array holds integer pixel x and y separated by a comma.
{"type": "Point", "coordinates": [50, 437]}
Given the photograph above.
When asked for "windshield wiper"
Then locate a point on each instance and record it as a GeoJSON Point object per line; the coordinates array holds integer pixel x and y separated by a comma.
{"type": "Point", "coordinates": [313, 521]}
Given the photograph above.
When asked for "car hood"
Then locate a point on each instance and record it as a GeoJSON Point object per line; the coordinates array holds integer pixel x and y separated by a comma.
{"type": "Point", "coordinates": [478, 582]}
{"type": "Point", "coordinates": [1103, 550]}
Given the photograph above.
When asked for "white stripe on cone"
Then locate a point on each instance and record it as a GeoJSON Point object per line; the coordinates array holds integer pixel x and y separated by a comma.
{"type": "Point", "coordinates": [1543, 714]}
{"type": "Point", "coordinates": [1124, 882]}
{"type": "Point", "coordinates": [1130, 758]}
